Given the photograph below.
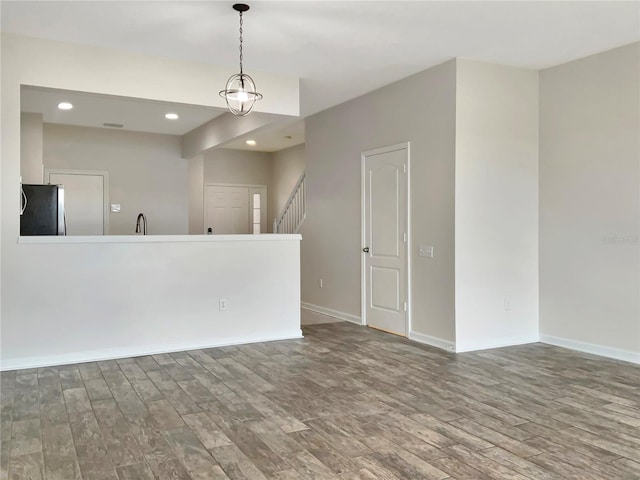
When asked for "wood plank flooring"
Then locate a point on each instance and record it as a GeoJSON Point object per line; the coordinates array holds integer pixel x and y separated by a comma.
{"type": "Point", "coordinates": [346, 402]}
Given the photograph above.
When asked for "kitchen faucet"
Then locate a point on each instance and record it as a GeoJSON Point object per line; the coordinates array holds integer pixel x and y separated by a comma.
{"type": "Point", "coordinates": [144, 224]}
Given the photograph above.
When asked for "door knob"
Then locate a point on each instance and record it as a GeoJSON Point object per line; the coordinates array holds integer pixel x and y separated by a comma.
{"type": "Point", "coordinates": [365, 249]}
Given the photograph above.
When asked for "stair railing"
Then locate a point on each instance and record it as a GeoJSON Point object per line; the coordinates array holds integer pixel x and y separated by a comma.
{"type": "Point", "coordinates": [294, 211]}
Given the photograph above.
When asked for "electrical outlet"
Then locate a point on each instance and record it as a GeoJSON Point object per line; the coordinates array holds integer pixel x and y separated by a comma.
{"type": "Point", "coordinates": [426, 251]}
{"type": "Point", "coordinates": [321, 282]}
{"type": "Point", "coordinates": [224, 304]}
{"type": "Point", "coordinates": [507, 305]}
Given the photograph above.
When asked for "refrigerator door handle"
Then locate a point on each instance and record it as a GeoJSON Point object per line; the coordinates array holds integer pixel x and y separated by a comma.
{"type": "Point", "coordinates": [23, 200]}
{"type": "Point", "coordinates": [62, 221]}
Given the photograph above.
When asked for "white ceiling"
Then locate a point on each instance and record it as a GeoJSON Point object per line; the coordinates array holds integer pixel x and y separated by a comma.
{"type": "Point", "coordinates": [339, 49]}
{"type": "Point", "coordinates": [92, 110]}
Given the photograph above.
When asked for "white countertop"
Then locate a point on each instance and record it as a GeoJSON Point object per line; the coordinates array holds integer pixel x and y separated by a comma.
{"type": "Point", "coordinates": [267, 237]}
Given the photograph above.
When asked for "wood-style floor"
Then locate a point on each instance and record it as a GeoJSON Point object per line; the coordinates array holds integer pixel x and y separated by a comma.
{"type": "Point", "coordinates": [345, 402]}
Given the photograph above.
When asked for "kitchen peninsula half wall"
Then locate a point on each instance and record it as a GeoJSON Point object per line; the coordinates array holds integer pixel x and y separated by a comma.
{"type": "Point", "coordinates": [137, 295]}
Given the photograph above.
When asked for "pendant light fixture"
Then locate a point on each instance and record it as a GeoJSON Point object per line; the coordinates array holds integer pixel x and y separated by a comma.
{"type": "Point", "coordinates": [240, 91]}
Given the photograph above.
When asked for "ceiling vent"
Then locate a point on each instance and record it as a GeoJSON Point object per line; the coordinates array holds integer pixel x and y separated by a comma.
{"type": "Point", "coordinates": [113, 125]}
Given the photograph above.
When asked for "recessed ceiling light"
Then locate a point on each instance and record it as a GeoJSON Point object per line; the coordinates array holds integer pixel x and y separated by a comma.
{"type": "Point", "coordinates": [171, 116]}
{"type": "Point", "coordinates": [65, 106]}
{"type": "Point", "coordinates": [251, 143]}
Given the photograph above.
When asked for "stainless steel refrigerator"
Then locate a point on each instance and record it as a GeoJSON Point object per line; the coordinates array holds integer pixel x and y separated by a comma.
{"type": "Point", "coordinates": [42, 210]}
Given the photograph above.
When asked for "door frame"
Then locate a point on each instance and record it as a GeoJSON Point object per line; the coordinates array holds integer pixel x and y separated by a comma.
{"type": "Point", "coordinates": [244, 185]}
{"type": "Point", "coordinates": [105, 188]}
{"type": "Point", "coordinates": [363, 267]}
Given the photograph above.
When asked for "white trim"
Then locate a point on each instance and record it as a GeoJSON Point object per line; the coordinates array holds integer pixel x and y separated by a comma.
{"type": "Point", "coordinates": [363, 234]}
{"type": "Point", "coordinates": [592, 348]}
{"type": "Point", "coordinates": [347, 317]}
{"type": "Point", "coordinates": [95, 173]}
{"type": "Point", "coordinates": [126, 352]}
{"type": "Point", "coordinates": [44, 239]}
{"type": "Point", "coordinates": [387, 149]}
{"type": "Point", "coordinates": [409, 243]}
{"type": "Point", "coordinates": [264, 221]}
{"type": "Point", "coordinates": [248, 185]}
{"type": "Point", "coordinates": [472, 346]}
{"type": "Point", "coordinates": [433, 341]}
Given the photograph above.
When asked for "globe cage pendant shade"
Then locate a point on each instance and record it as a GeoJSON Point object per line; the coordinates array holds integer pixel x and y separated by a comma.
{"type": "Point", "coordinates": [240, 94]}
{"type": "Point", "coordinates": [240, 91]}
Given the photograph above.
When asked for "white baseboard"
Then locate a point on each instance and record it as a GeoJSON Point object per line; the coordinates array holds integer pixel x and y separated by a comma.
{"type": "Point", "coordinates": [472, 346]}
{"type": "Point", "coordinates": [347, 317]}
{"type": "Point", "coordinates": [134, 351]}
{"type": "Point", "coordinates": [592, 348]}
{"type": "Point", "coordinates": [432, 341]}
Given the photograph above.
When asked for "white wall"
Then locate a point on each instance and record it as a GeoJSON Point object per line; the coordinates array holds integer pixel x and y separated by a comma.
{"type": "Point", "coordinates": [91, 301]}
{"type": "Point", "coordinates": [146, 173]}
{"type": "Point", "coordinates": [421, 110]}
{"type": "Point", "coordinates": [102, 297]}
{"type": "Point", "coordinates": [287, 167]}
{"type": "Point", "coordinates": [31, 164]}
{"type": "Point", "coordinates": [241, 167]}
{"type": "Point", "coordinates": [496, 212]}
{"type": "Point", "coordinates": [590, 203]}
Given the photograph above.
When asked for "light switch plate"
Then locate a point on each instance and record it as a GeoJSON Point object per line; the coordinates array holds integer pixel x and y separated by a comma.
{"type": "Point", "coordinates": [115, 207]}
{"type": "Point", "coordinates": [426, 251]}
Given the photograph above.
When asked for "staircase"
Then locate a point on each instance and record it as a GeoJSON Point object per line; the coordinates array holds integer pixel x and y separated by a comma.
{"type": "Point", "coordinates": [294, 211]}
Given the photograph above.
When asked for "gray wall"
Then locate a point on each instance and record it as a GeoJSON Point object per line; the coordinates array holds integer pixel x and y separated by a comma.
{"type": "Point", "coordinates": [419, 109]}
{"type": "Point", "coordinates": [146, 173]}
{"type": "Point", "coordinates": [196, 195]}
{"type": "Point", "coordinates": [241, 167]}
{"type": "Point", "coordinates": [31, 165]}
{"type": "Point", "coordinates": [496, 205]}
{"type": "Point", "coordinates": [287, 167]}
{"type": "Point", "coordinates": [590, 200]}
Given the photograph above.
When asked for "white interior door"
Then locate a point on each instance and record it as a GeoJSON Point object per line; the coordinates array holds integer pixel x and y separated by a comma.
{"type": "Point", "coordinates": [84, 200]}
{"type": "Point", "coordinates": [385, 236]}
{"type": "Point", "coordinates": [227, 209]}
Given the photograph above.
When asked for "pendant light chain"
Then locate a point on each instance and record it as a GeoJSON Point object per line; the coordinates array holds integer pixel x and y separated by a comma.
{"type": "Point", "coordinates": [241, 43]}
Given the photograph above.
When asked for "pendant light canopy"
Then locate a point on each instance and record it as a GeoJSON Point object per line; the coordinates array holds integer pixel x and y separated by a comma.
{"type": "Point", "coordinates": [240, 91]}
